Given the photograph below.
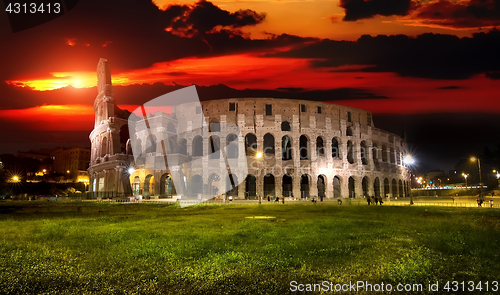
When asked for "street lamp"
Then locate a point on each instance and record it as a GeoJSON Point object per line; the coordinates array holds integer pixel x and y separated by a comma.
{"type": "Point", "coordinates": [465, 176]}
{"type": "Point", "coordinates": [473, 159]}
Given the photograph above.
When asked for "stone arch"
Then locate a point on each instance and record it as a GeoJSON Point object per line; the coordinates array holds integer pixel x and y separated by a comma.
{"type": "Point", "coordinates": [232, 146]}
{"type": "Point", "coordinates": [305, 181]}
{"type": "Point", "coordinates": [337, 187]}
{"type": "Point", "coordinates": [268, 143]}
{"type": "Point", "coordinates": [352, 187]}
{"type": "Point", "coordinates": [269, 185]}
{"type": "Point", "coordinates": [335, 148]}
{"type": "Point", "coordinates": [171, 145]}
{"type": "Point", "coordinates": [321, 186]}
{"type": "Point", "coordinates": [387, 188]}
{"type": "Point", "coordinates": [394, 188]}
{"type": "Point", "coordinates": [214, 148]}
{"type": "Point", "coordinates": [232, 185]}
{"type": "Point", "coordinates": [251, 186]}
{"type": "Point", "coordinates": [167, 188]}
{"type": "Point", "coordinates": [183, 147]}
{"type": "Point", "coordinates": [214, 188]}
{"type": "Point", "coordinates": [149, 185]}
{"type": "Point", "coordinates": [365, 186]}
{"type": "Point", "coordinates": [137, 186]}
{"type": "Point", "coordinates": [350, 152]}
{"type": "Point", "coordinates": [287, 185]}
{"type": "Point", "coordinates": [304, 147]}
{"type": "Point", "coordinates": [110, 183]}
{"type": "Point", "coordinates": [124, 137]}
{"type": "Point", "coordinates": [375, 153]}
{"type": "Point", "coordinates": [250, 144]}
{"type": "Point", "coordinates": [197, 146]}
{"type": "Point", "coordinates": [384, 153]}
{"type": "Point", "coordinates": [104, 146]}
{"type": "Point", "coordinates": [400, 191]}
{"type": "Point", "coordinates": [320, 147]}
{"type": "Point", "coordinates": [364, 152]}
{"type": "Point", "coordinates": [128, 149]}
{"type": "Point", "coordinates": [285, 126]}
{"type": "Point", "coordinates": [286, 148]}
{"type": "Point", "coordinates": [196, 185]}
{"type": "Point", "coordinates": [376, 187]}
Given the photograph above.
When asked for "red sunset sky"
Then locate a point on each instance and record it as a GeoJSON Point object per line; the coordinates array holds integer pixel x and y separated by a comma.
{"type": "Point", "coordinates": [430, 68]}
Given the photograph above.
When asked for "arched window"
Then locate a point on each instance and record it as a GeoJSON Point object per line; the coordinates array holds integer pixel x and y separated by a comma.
{"type": "Point", "coordinates": [171, 127]}
{"type": "Point", "coordinates": [250, 144]}
{"type": "Point", "coordinates": [285, 126]}
{"type": "Point", "coordinates": [350, 152]}
{"type": "Point", "coordinates": [104, 146]}
{"type": "Point", "coordinates": [151, 144]}
{"type": "Point", "coordinates": [304, 147]}
{"type": "Point", "coordinates": [198, 146]}
{"type": "Point", "coordinates": [183, 150]}
{"type": "Point", "coordinates": [286, 148]}
{"type": "Point", "coordinates": [364, 153]}
{"type": "Point", "coordinates": [384, 153]}
{"type": "Point", "coordinates": [352, 190]}
{"type": "Point", "coordinates": [348, 131]}
{"type": "Point", "coordinates": [320, 147]}
{"type": "Point", "coordinates": [232, 146]}
{"type": "Point", "coordinates": [375, 153]}
{"type": "Point", "coordinates": [393, 157]}
{"type": "Point", "coordinates": [214, 147]}
{"type": "Point", "coordinates": [335, 148]}
{"type": "Point", "coordinates": [364, 184]}
{"type": "Point", "coordinates": [268, 144]}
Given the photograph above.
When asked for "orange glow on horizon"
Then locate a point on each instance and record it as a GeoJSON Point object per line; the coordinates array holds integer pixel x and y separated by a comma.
{"type": "Point", "coordinates": [52, 117]}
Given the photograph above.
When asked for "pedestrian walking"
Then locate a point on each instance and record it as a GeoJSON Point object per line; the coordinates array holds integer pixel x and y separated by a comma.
{"type": "Point", "coordinates": [339, 201]}
{"type": "Point", "coordinates": [368, 200]}
{"type": "Point", "coordinates": [268, 198]}
{"type": "Point", "coordinates": [380, 200]}
{"type": "Point", "coordinates": [376, 200]}
{"type": "Point", "coordinates": [283, 199]}
{"type": "Point", "coordinates": [491, 203]}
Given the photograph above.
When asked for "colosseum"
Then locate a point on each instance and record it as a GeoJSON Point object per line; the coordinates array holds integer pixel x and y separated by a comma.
{"type": "Point", "coordinates": [243, 148]}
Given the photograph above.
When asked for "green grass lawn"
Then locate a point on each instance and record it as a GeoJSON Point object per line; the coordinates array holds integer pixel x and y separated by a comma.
{"type": "Point", "coordinates": [92, 248]}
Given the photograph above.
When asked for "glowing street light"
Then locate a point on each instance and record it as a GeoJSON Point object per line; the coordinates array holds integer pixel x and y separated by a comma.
{"type": "Point", "coordinates": [473, 159]}
{"type": "Point", "coordinates": [131, 170]}
{"type": "Point", "coordinates": [258, 155]}
{"type": "Point", "coordinates": [15, 179]}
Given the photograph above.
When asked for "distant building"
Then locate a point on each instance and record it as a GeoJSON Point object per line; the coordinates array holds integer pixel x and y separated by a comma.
{"type": "Point", "coordinates": [40, 154]}
{"type": "Point", "coordinates": [69, 161]}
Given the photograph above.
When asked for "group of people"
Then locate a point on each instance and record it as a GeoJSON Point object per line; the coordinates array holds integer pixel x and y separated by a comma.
{"type": "Point", "coordinates": [275, 199]}
{"type": "Point", "coordinates": [374, 199]}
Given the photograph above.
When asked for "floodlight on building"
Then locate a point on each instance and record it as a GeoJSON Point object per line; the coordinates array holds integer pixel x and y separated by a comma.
{"type": "Point", "coordinates": [258, 155]}
{"type": "Point", "coordinates": [131, 170]}
{"type": "Point", "coordinates": [408, 159]}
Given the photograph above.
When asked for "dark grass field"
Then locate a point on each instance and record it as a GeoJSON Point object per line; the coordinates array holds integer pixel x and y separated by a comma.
{"type": "Point", "coordinates": [98, 248]}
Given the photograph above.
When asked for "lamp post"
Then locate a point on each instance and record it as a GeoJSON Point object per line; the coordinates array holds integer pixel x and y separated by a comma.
{"type": "Point", "coordinates": [473, 159]}
{"type": "Point", "coordinates": [465, 176]}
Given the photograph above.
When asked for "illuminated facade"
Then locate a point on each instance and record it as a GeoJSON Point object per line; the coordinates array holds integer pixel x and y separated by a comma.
{"type": "Point", "coordinates": [291, 148]}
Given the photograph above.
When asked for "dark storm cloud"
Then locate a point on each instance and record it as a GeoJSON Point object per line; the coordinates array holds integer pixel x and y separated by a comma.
{"type": "Point", "coordinates": [428, 55]}
{"type": "Point", "coordinates": [140, 94]}
{"type": "Point", "coordinates": [134, 34]}
{"type": "Point", "coordinates": [204, 17]}
{"type": "Point", "coordinates": [360, 9]}
{"type": "Point", "coordinates": [472, 14]}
